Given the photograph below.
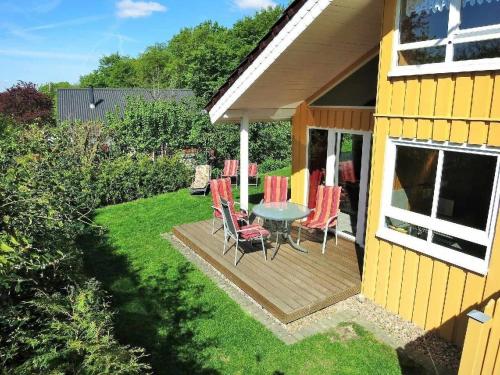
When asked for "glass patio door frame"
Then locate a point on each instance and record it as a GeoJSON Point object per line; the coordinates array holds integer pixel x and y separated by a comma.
{"type": "Point", "coordinates": [332, 173]}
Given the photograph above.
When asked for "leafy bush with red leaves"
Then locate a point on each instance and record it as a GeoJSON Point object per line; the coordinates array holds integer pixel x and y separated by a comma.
{"type": "Point", "coordinates": [24, 104]}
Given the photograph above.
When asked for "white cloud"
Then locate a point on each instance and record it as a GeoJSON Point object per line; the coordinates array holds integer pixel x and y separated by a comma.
{"type": "Point", "coordinates": [136, 9]}
{"type": "Point", "coordinates": [254, 4]}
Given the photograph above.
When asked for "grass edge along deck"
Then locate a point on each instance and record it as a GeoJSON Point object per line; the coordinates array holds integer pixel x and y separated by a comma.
{"type": "Point", "coordinates": [197, 236]}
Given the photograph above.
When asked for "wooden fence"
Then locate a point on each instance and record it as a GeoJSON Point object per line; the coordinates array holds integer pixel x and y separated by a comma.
{"type": "Point", "coordinates": [481, 353]}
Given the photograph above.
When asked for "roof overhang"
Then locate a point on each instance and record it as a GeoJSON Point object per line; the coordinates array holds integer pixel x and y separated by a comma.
{"type": "Point", "coordinates": [314, 42]}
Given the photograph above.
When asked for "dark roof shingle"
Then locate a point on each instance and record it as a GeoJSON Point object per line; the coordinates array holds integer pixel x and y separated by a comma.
{"type": "Point", "coordinates": [74, 104]}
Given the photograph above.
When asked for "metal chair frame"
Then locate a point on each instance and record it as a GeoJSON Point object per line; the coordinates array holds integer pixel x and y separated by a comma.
{"type": "Point", "coordinates": [325, 230]}
{"type": "Point", "coordinates": [230, 231]}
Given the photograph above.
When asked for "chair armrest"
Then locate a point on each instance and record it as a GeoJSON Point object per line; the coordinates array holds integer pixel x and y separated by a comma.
{"type": "Point", "coordinates": [330, 219]}
{"type": "Point", "coordinates": [246, 230]}
{"type": "Point", "coordinates": [260, 230]}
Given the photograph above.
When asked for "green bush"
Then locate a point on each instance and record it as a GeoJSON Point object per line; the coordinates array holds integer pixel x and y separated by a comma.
{"type": "Point", "coordinates": [158, 127]}
{"type": "Point", "coordinates": [127, 178]}
{"type": "Point", "coordinates": [167, 127]}
{"type": "Point", "coordinates": [273, 164]}
{"type": "Point", "coordinates": [51, 319]}
{"type": "Point", "coordinates": [70, 332]}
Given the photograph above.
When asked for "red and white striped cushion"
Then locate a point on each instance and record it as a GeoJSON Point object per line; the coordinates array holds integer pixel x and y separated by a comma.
{"type": "Point", "coordinates": [230, 168]}
{"type": "Point", "coordinates": [275, 189]}
{"type": "Point", "coordinates": [222, 188]}
{"type": "Point", "coordinates": [327, 205]}
{"type": "Point", "coordinates": [253, 231]}
{"type": "Point", "coordinates": [252, 170]}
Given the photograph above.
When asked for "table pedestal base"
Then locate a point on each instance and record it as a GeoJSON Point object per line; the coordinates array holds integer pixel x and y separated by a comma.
{"type": "Point", "coordinates": [284, 232]}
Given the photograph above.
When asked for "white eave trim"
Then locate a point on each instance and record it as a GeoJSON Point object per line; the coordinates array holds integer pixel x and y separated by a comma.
{"type": "Point", "coordinates": [261, 114]}
{"type": "Point", "coordinates": [292, 30]}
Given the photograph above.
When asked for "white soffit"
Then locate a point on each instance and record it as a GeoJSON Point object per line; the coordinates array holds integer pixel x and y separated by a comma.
{"type": "Point", "coordinates": [324, 38]}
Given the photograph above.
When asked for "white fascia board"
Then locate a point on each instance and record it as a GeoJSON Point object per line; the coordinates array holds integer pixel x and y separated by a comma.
{"type": "Point", "coordinates": [304, 17]}
{"type": "Point", "coordinates": [261, 114]}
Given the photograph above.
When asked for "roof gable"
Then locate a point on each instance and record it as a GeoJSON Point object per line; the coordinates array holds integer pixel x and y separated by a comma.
{"type": "Point", "coordinates": [318, 42]}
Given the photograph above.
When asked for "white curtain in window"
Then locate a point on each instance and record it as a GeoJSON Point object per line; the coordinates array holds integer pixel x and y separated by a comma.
{"type": "Point", "coordinates": [478, 2]}
{"type": "Point", "coordinates": [427, 6]}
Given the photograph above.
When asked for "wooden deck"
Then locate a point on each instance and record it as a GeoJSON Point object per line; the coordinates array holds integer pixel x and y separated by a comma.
{"type": "Point", "coordinates": [293, 284]}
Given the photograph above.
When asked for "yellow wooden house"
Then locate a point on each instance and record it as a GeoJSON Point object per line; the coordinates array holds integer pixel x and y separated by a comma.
{"type": "Point", "coordinates": [397, 101]}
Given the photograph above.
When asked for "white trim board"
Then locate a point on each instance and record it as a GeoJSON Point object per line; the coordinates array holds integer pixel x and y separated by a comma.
{"type": "Point", "coordinates": [292, 30]}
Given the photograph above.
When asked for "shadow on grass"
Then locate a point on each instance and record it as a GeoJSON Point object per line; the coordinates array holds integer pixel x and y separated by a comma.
{"type": "Point", "coordinates": [158, 313]}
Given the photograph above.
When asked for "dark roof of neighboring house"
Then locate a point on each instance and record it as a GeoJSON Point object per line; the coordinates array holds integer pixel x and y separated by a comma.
{"type": "Point", "coordinates": [287, 15]}
{"type": "Point", "coordinates": [74, 104]}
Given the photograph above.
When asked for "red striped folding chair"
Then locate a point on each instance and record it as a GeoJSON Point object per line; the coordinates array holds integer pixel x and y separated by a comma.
{"type": "Point", "coordinates": [275, 189]}
{"type": "Point", "coordinates": [253, 173]}
{"type": "Point", "coordinates": [221, 188]}
{"type": "Point", "coordinates": [315, 180]}
{"type": "Point", "coordinates": [347, 171]}
{"type": "Point", "coordinates": [326, 212]}
{"type": "Point", "coordinates": [245, 233]}
{"type": "Point", "coordinates": [231, 169]}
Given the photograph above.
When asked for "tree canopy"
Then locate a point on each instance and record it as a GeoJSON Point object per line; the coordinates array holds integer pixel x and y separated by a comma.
{"type": "Point", "coordinates": [24, 104]}
{"type": "Point", "coordinates": [199, 58]}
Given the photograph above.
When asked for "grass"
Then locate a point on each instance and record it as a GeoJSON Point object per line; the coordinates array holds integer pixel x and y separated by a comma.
{"type": "Point", "coordinates": [184, 321]}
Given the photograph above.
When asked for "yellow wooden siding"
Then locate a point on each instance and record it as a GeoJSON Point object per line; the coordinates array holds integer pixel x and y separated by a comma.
{"type": "Point", "coordinates": [328, 118]}
{"type": "Point", "coordinates": [454, 108]}
{"type": "Point", "coordinates": [481, 355]}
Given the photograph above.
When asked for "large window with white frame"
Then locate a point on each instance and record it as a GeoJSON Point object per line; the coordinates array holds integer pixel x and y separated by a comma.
{"type": "Point", "coordinates": [441, 200]}
{"type": "Point", "coordinates": [434, 36]}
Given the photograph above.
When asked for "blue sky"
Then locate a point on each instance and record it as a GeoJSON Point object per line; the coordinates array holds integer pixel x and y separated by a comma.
{"type": "Point", "coordinates": [59, 40]}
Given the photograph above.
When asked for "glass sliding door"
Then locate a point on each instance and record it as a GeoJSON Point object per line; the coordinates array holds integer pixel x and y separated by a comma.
{"type": "Point", "coordinates": [348, 176]}
{"type": "Point", "coordinates": [341, 158]}
{"type": "Point", "coordinates": [317, 160]}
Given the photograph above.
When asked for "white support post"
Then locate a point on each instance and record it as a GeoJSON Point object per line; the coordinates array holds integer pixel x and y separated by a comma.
{"type": "Point", "coordinates": [244, 162]}
{"type": "Point", "coordinates": [331, 158]}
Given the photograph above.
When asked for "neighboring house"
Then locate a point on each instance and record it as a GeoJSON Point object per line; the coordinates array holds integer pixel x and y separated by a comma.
{"type": "Point", "coordinates": [399, 102]}
{"type": "Point", "coordinates": [92, 104]}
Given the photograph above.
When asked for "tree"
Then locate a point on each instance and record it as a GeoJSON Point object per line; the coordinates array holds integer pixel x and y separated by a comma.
{"type": "Point", "coordinates": [152, 67]}
{"type": "Point", "coordinates": [199, 58]}
{"type": "Point", "coordinates": [50, 88]}
{"type": "Point", "coordinates": [24, 104]}
{"type": "Point", "coordinates": [247, 32]}
{"type": "Point", "coordinates": [114, 71]}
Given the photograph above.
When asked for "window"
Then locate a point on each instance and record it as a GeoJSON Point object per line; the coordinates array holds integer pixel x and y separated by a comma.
{"type": "Point", "coordinates": [441, 200]}
{"type": "Point", "coordinates": [436, 36]}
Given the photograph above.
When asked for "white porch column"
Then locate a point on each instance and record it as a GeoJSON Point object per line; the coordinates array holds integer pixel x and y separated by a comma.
{"type": "Point", "coordinates": [244, 162]}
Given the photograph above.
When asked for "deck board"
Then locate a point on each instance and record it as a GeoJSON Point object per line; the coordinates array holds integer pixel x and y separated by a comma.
{"type": "Point", "coordinates": [293, 284]}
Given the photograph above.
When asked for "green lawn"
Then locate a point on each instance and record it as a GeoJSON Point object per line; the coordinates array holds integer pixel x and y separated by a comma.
{"type": "Point", "coordinates": [185, 322]}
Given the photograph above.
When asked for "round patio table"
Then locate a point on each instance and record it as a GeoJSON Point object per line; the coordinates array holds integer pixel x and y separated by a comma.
{"type": "Point", "coordinates": [283, 214]}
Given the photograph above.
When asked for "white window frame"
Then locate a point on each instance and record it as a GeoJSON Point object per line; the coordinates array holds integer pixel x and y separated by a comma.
{"type": "Point", "coordinates": [432, 223]}
{"type": "Point", "coordinates": [455, 36]}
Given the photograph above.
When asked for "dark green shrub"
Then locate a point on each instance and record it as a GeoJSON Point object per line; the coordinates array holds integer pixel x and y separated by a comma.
{"type": "Point", "coordinates": [127, 178]}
